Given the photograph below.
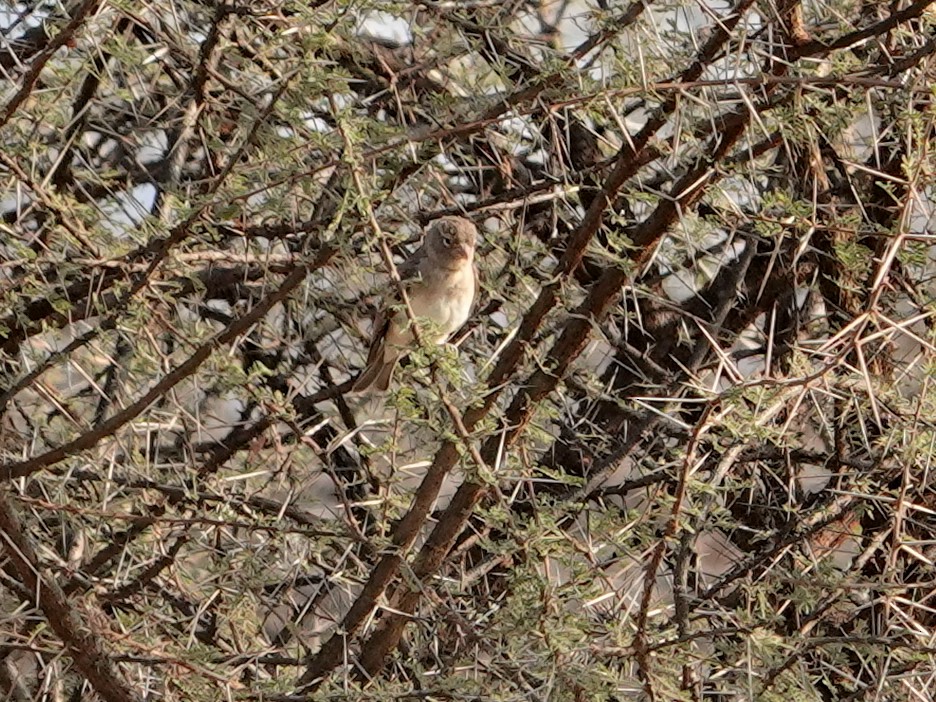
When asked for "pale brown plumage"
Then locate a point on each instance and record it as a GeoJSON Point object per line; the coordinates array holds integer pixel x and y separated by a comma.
{"type": "Point", "coordinates": [441, 284]}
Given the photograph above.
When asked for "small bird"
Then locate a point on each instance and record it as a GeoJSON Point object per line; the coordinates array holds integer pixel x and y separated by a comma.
{"type": "Point", "coordinates": [441, 283]}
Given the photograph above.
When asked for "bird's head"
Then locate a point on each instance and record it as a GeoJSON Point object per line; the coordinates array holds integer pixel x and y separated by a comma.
{"type": "Point", "coordinates": [452, 240]}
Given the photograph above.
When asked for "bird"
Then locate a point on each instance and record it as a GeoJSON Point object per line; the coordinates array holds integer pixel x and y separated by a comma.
{"type": "Point", "coordinates": [441, 283]}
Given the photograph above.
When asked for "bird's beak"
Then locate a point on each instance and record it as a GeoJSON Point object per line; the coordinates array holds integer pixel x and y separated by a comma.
{"type": "Point", "coordinates": [466, 251]}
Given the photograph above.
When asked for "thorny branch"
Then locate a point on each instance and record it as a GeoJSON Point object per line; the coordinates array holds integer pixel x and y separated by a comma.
{"type": "Point", "coordinates": [703, 329]}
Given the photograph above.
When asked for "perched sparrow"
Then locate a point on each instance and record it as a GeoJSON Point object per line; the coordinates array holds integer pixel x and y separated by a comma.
{"type": "Point", "coordinates": [441, 283]}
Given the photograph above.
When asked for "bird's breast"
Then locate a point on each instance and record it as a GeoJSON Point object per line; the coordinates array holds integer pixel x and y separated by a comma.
{"type": "Point", "coordinates": [447, 303]}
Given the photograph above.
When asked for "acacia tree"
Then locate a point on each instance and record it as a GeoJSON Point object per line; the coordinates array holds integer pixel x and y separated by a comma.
{"type": "Point", "coordinates": [681, 451]}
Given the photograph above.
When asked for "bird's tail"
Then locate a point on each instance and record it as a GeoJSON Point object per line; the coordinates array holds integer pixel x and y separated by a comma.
{"type": "Point", "coordinates": [377, 374]}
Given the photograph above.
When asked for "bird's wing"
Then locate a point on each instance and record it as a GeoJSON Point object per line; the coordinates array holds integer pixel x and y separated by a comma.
{"type": "Point", "coordinates": [409, 270]}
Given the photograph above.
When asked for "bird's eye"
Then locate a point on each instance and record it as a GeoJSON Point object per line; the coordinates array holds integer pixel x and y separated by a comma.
{"type": "Point", "coordinates": [447, 240]}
